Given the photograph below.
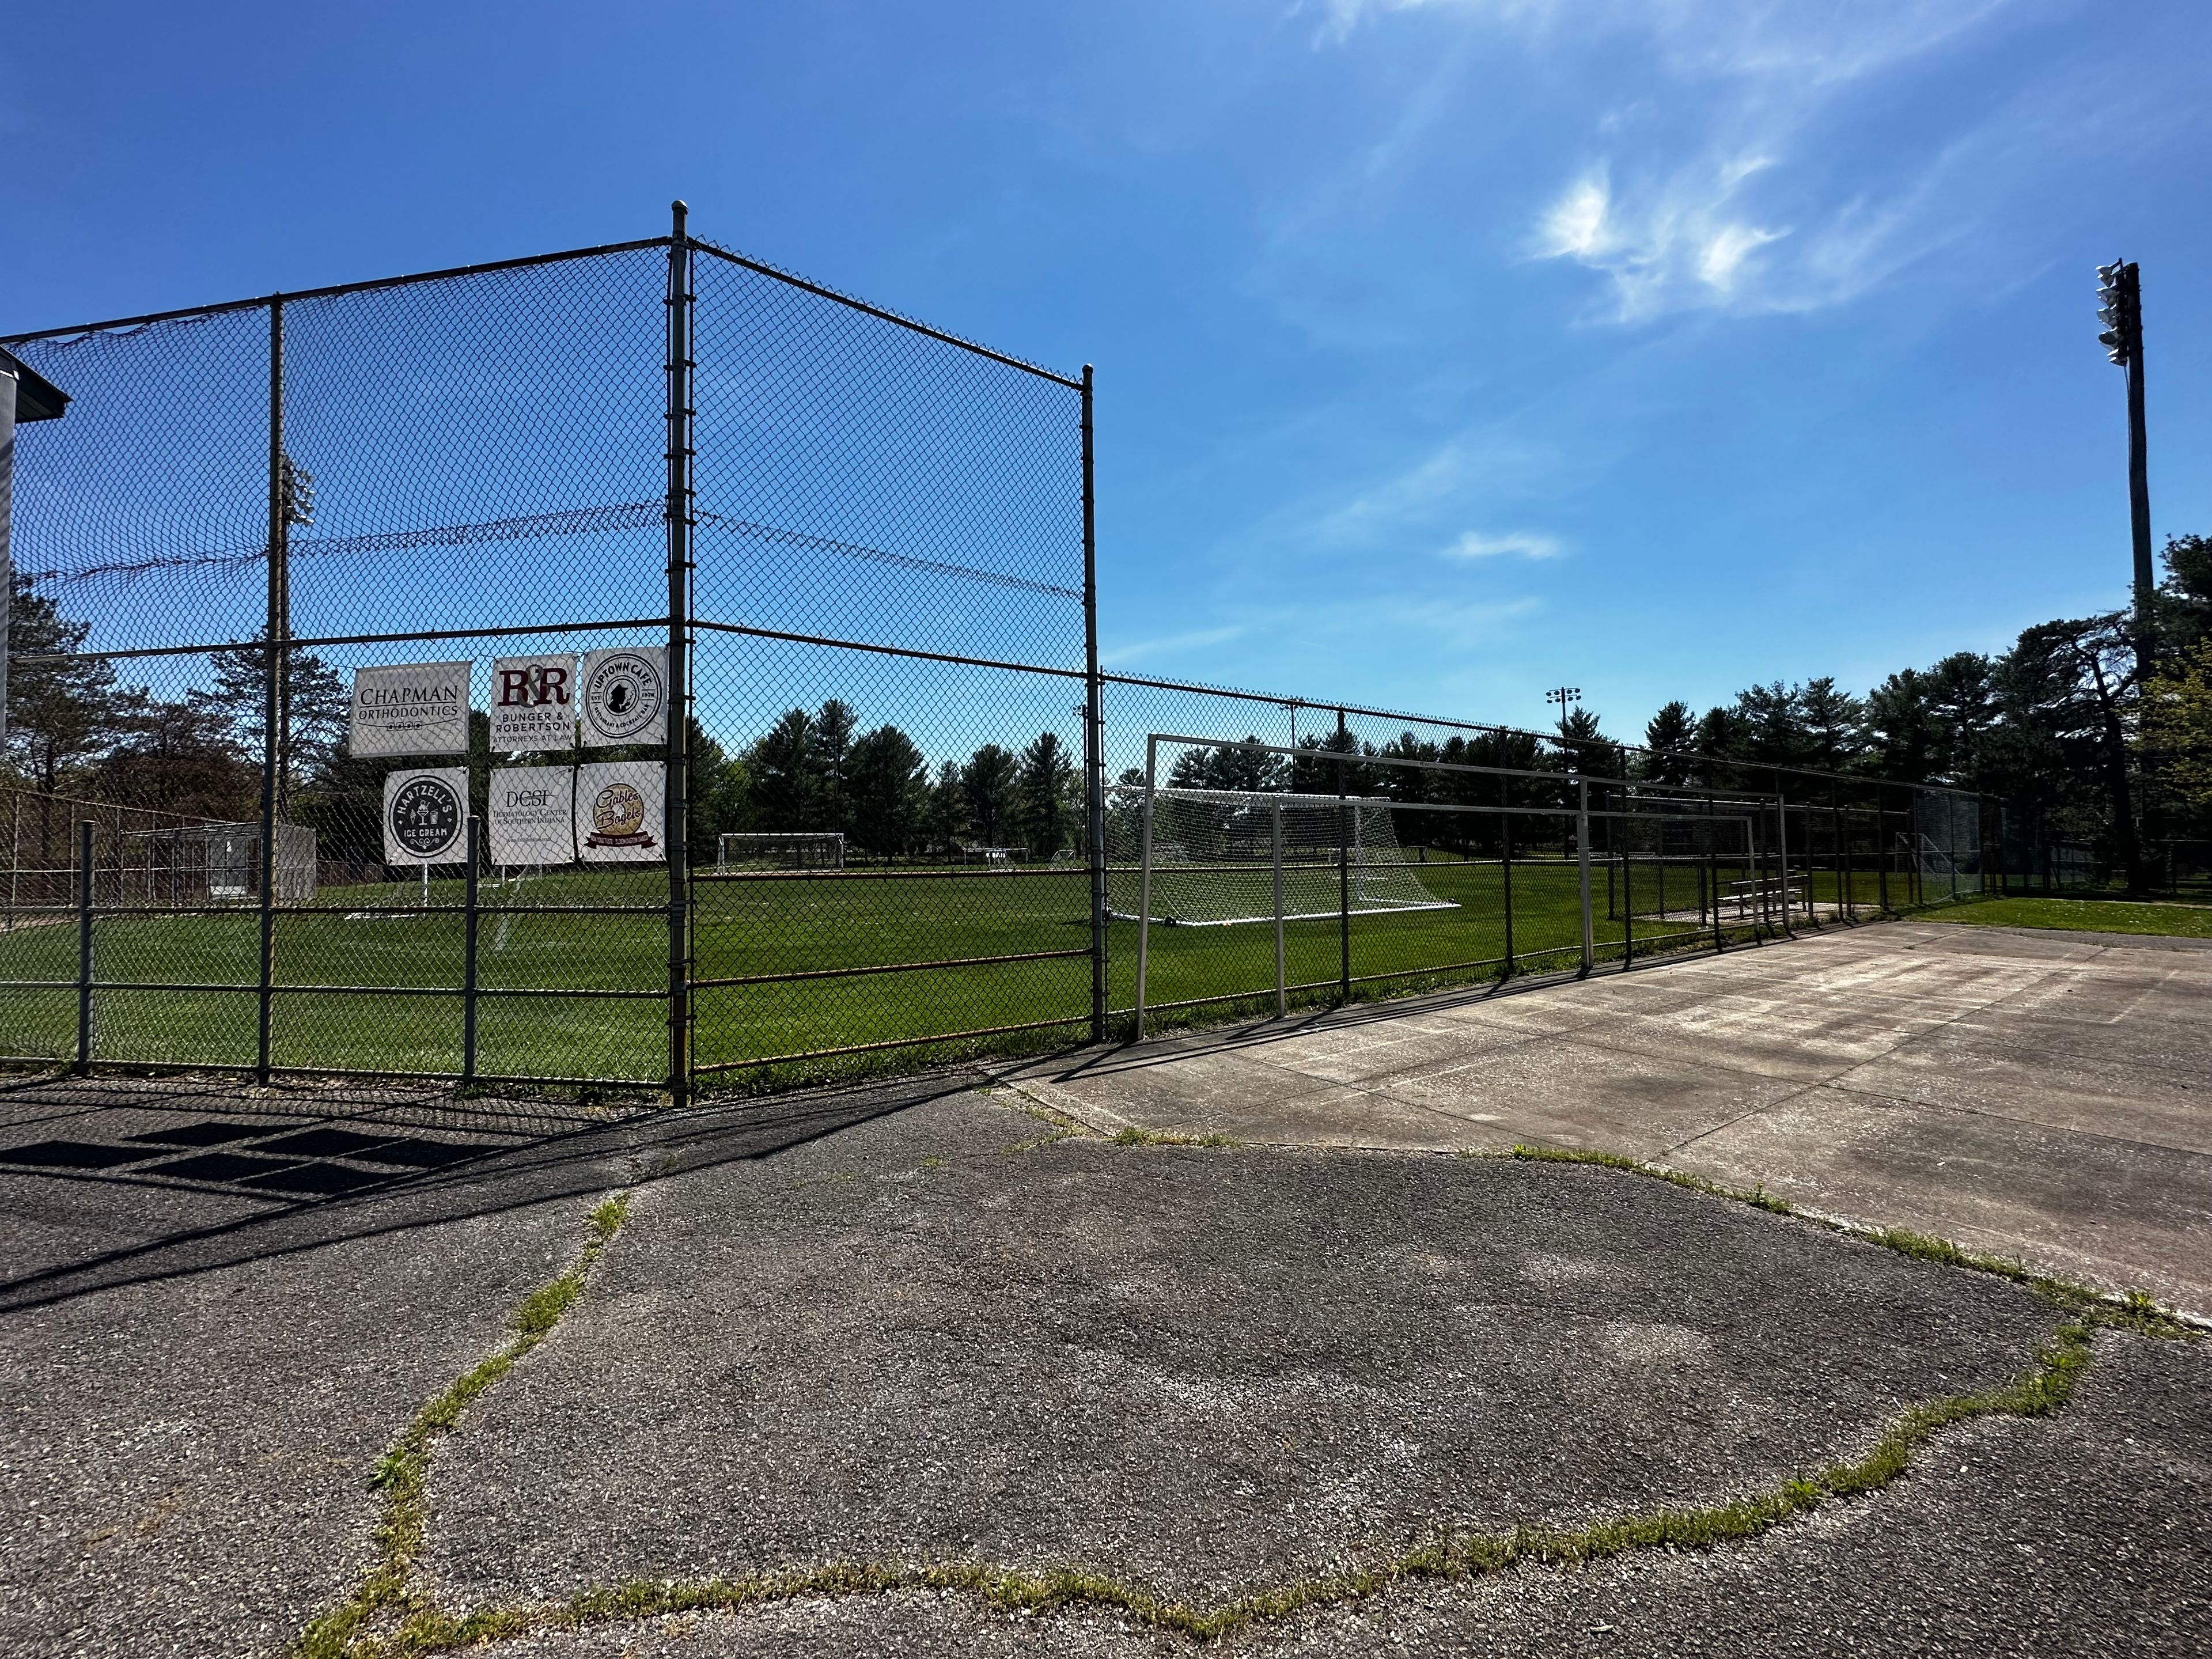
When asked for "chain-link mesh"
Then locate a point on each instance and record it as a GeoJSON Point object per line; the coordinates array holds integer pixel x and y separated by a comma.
{"type": "Point", "coordinates": [864, 546]}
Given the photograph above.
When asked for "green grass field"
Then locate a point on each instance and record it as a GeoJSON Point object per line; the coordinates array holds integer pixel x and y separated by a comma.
{"type": "Point", "coordinates": [743, 927]}
{"type": "Point", "coordinates": [2177, 919]}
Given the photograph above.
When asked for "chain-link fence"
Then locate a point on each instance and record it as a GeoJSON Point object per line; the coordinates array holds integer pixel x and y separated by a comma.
{"type": "Point", "coordinates": [640, 664]}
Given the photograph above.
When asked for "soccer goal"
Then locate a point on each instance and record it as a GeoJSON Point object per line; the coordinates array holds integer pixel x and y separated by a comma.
{"type": "Point", "coordinates": [803, 849]}
{"type": "Point", "coordinates": [1219, 858]}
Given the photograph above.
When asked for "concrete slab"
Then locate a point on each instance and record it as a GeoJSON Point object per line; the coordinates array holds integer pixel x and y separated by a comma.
{"type": "Point", "coordinates": [2009, 1069]}
{"type": "Point", "coordinates": [1814, 1044]}
{"type": "Point", "coordinates": [1598, 1099]}
{"type": "Point", "coordinates": [2121, 1213]}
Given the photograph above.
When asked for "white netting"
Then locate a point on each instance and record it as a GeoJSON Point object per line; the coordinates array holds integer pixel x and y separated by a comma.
{"type": "Point", "coordinates": [1215, 855]}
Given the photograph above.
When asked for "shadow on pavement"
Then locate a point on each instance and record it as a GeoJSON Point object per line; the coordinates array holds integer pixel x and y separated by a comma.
{"type": "Point", "coordinates": [106, 1181]}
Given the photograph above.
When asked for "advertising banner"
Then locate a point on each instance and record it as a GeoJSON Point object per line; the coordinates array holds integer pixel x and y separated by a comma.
{"type": "Point", "coordinates": [533, 702]}
{"type": "Point", "coordinates": [426, 817]}
{"type": "Point", "coordinates": [618, 812]}
{"type": "Point", "coordinates": [625, 696]}
{"type": "Point", "coordinates": [532, 815]}
{"type": "Point", "coordinates": [410, 708]}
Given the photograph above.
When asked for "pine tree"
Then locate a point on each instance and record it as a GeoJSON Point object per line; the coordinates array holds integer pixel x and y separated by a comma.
{"type": "Point", "coordinates": [61, 710]}
{"type": "Point", "coordinates": [888, 785]}
{"type": "Point", "coordinates": [1044, 795]}
{"type": "Point", "coordinates": [1666, 737]}
{"type": "Point", "coordinates": [988, 783]}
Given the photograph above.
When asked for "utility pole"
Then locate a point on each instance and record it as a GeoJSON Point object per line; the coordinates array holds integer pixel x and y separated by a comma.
{"type": "Point", "coordinates": [2119, 295]}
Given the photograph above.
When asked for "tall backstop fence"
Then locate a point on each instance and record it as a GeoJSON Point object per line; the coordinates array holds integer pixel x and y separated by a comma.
{"type": "Point", "coordinates": [641, 664]}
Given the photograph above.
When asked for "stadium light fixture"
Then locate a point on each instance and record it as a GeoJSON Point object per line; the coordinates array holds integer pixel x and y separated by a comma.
{"type": "Point", "coordinates": [1564, 697]}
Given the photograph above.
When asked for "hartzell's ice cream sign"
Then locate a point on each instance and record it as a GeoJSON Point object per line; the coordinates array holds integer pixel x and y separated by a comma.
{"type": "Point", "coordinates": [410, 708]}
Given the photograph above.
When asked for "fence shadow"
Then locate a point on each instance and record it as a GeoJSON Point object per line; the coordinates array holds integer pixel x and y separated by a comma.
{"type": "Point", "coordinates": [116, 1182]}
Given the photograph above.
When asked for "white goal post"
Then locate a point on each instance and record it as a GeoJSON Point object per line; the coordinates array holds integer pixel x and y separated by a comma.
{"type": "Point", "coordinates": [1220, 856]}
{"type": "Point", "coordinates": [791, 849]}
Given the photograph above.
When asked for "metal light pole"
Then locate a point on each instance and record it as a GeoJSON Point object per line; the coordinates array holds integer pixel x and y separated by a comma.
{"type": "Point", "coordinates": [2119, 295]}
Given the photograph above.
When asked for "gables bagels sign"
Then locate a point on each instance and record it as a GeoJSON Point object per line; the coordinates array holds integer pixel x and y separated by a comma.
{"type": "Point", "coordinates": [618, 812]}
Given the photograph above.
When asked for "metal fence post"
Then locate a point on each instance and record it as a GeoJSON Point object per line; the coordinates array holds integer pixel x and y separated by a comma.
{"type": "Point", "coordinates": [1782, 859]}
{"type": "Point", "coordinates": [272, 674]}
{"type": "Point", "coordinates": [1343, 870]}
{"type": "Point", "coordinates": [1836, 817]}
{"type": "Point", "coordinates": [1582, 874]}
{"type": "Point", "coordinates": [1145, 880]}
{"type": "Point", "coordinates": [1094, 730]}
{"type": "Point", "coordinates": [84, 946]}
{"type": "Point", "coordinates": [1627, 893]}
{"type": "Point", "coordinates": [1282, 992]}
{"type": "Point", "coordinates": [1505, 861]}
{"type": "Point", "coordinates": [468, 929]}
{"type": "Point", "coordinates": [1709, 886]}
{"type": "Point", "coordinates": [1881, 847]}
{"type": "Point", "coordinates": [676, 802]}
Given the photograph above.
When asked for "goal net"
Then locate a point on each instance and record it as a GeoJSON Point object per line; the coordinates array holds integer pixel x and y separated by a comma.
{"type": "Point", "coordinates": [809, 849]}
{"type": "Point", "coordinates": [1217, 854]}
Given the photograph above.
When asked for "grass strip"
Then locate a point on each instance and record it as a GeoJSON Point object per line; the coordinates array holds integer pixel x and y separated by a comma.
{"type": "Point", "coordinates": [2045, 1387]}
{"type": "Point", "coordinates": [402, 1472]}
{"type": "Point", "coordinates": [1136, 1135]}
{"type": "Point", "coordinates": [2132, 1310]}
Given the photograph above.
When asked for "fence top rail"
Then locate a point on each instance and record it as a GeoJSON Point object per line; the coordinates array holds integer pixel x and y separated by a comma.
{"type": "Point", "coordinates": [333, 290]}
{"type": "Point", "coordinates": [882, 314]}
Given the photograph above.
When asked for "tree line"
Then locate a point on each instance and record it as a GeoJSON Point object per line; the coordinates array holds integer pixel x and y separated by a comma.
{"type": "Point", "coordinates": [2094, 729]}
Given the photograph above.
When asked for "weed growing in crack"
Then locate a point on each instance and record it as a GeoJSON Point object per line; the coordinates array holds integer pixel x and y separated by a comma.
{"type": "Point", "coordinates": [1758, 1197]}
{"type": "Point", "coordinates": [2043, 1389]}
{"type": "Point", "coordinates": [1135, 1135]}
{"type": "Point", "coordinates": [389, 1591]}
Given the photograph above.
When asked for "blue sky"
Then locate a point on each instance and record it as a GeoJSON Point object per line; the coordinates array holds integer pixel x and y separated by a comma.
{"type": "Point", "coordinates": [1447, 351]}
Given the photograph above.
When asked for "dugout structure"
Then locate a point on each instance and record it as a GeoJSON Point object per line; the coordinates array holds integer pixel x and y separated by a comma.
{"type": "Point", "coordinates": [212, 863]}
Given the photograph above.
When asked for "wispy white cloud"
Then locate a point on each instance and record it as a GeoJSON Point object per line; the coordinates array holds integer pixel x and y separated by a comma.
{"type": "Point", "coordinates": [1689, 241]}
{"type": "Point", "coordinates": [1169, 644]}
{"type": "Point", "coordinates": [1714, 187]}
{"type": "Point", "coordinates": [1472, 470]}
{"type": "Point", "coordinates": [1513, 544]}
